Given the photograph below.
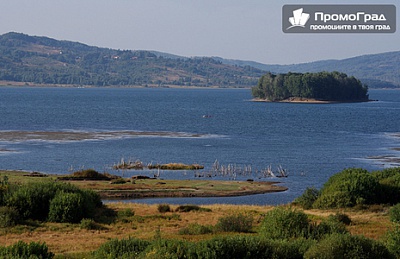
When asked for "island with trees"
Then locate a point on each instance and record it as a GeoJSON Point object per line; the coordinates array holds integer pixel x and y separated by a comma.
{"type": "Point", "coordinates": [310, 87]}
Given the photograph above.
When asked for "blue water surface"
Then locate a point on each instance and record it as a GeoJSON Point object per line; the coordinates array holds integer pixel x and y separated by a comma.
{"type": "Point", "coordinates": [310, 141]}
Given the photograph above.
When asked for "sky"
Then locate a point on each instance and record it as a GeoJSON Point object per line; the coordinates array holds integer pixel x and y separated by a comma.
{"type": "Point", "coordinates": [232, 29]}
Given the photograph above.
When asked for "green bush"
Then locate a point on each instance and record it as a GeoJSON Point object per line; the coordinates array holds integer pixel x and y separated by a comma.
{"type": "Point", "coordinates": [9, 217]}
{"type": "Point", "coordinates": [169, 249]}
{"type": "Point", "coordinates": [126, 213]}
{"type": "Point", "coordinates": [66, 207]}
{"type": "Point", "coordinates": [393, 241]}
{"type": "Point", "coordinates": [390, 190]}
{"type": "Point", "coordinates": [124, 248]}
{"type": "Point", "coordinates": [235, 223]}
{"type": "Point", "coordinates": [189, 207]}
{"type": "Point", "coordinates": [340, 217]}
{"type": "Point", "coordinates": [307, 199]}
{"type": "Point", "coordinates": [394, 213]}
{"type": "Point", "coordinates": [32, 201]}
{"type": "Point", "coordinates": [89, 224]}
{"type": "Point", "coordinates": [386, 173]}
{"type": "Point", "coordinates": [196, 229]}
{"type": "Point", "coordinates": [282, 223]}
{"type": "Point", "coordinates": [348, 246]}
{"type": "Point", "coordinates": [251, 247]}
{"type": "Point", "coordinates": [348, 188]}
{"type": "Point", "coordinates": [326, 228]}
{"type": "Point", "coordinates": [22, 250]}
{"type": "Point", "coordinates": [162, 208]}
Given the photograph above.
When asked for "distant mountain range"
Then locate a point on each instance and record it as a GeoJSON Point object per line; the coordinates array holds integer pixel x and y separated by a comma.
{"type": "Point", "coordinates": [28, 59]}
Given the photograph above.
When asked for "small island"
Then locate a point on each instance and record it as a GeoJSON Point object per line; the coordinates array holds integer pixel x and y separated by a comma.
{"type": "Point", "coordinates": [321, 87]}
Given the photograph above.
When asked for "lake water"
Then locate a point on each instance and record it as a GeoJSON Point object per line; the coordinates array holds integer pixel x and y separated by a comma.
{"type": "Point", "coordinates": [57, 130]}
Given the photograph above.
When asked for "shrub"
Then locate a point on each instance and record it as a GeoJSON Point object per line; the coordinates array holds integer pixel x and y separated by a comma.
{"type": "Point", "coordinates": [251, 247]}
{"type": "Point", "coordinates": [285, 223]}
{"type": "Point", "coordinates": [188, 208]}
{"type": "Point", "coordinates": [394, 213]}
{"type": "Point", "coordinates": [162, 208]}
{"type": "Point", "coordinates": [33, 201]}
{"type": "Point", "coordinates": [390, 189]}
{"type": "Point", "coordinates": [169, 249]}
{"type": "Point", "coordinates": [393, 241]}
{"type": "Point", "coordinates": [124, 248]}
{"type": "Point", "coordinates": [348, 188]}
{"type": "Point", "coordinates": [235, 223]}
{"type": "Point", "coordinates": [326, 228]}
{"type": "Point", "coordinates": [340, 217]}
{"type": "Point", "coordinates": [348, 246]}
{"type": "Point", "coordinates": [307, 199]}
{"type": "Point", "coordinates": [126, 213]}
{"type": "Point", "coordinates": [88, 224]}
{"type": "Point", "coordinates": [235, 247]}
{"type": "Point", "coordinates": [196, 229]}
{"type": "Point", "coordinates": [386, 173]}
{"type": "Point", "coordinates": [23, 250]}
{"type": "Point", "coordinates": [9, 217]}
{"type": "Point", "coordinates": [66, 207]}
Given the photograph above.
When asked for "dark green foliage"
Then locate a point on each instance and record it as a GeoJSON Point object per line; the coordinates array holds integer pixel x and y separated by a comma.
{"type": "Point", "coordinates": [251, 247]}
{"type": "Point", "coordinates": [22, 250]}
{"type": "Point", "coordinates": [196, 229]}
{"type": "Point", "coordinates": [347, 246]}
{"type": "Point", "coordinates": [8, 217]}
{"type": "Point", "coordinates": [89, 224]}
{"type": "Point", "coordinates": [216, 248]}
{"type": "Point", "coordinates": [327, 227]}
{"type": "Point", "coordinates": [392, 241]}
{"type": "Point", "coordinates": [340, 217]}
{"type": "Point", "coordinates": [348, 188]}
{"type": "Point", "coordinates": [124, 248]}
{"type": "Point", "coordinates": [307, 199]}
{"type": "Point", "coordinates": [66, 207]}
{"type": "Point", "coordinates": [389, 179]}
{"type": "Point", "coordinates": [235, 223]}
{"type": "Point", "coordinates": [394, 213]}
{"type": "Point", "coordinates": [189, 207]}
{"type": "Point", "coordinates": [162, 248]}
{"type": "Point", "coordinates": [32, 201]}
{"type": "Point", "coordinates": [163, 208]}
{"type": "Point", "coordinates": [282, 223]}
{"type": "Point", "coordinates": [4, 188]}
{"type": "Point", "coordinates": [333, 86]}
{"type": "Point", "coordinates": [126, 213]}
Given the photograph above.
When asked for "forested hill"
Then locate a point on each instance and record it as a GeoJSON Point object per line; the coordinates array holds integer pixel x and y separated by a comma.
{"type": "Point", "coordinates": [42, 60]}
{"type": "Point", "coordinates": [376, 70]}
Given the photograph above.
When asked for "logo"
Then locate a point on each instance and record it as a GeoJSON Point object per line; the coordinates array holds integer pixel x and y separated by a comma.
{"type": "Point", "coordinates": [299, 19]}
{"type": "Point", "coordinates": [339, 18]}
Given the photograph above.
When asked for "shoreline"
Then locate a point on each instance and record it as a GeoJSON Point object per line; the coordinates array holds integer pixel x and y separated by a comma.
{"type": "Point", "coordinates": [309, 100]}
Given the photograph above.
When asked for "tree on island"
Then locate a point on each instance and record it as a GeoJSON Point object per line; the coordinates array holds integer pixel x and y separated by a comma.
{"type": "Point", "coordinates": [327, 86]}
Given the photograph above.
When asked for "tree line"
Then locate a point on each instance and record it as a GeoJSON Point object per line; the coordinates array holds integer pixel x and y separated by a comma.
{"type": "Point", "coordinates": [331, 86]}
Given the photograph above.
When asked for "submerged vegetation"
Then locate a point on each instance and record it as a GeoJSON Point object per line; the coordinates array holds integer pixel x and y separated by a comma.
{"type": "Point", "coordinates": [327, 86]}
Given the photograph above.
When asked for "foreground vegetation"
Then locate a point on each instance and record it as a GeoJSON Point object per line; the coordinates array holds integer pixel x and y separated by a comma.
{"type": "Point", "coordinates": [328, 86]}
{"type": "Point", "coordinates": [356, 220]}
